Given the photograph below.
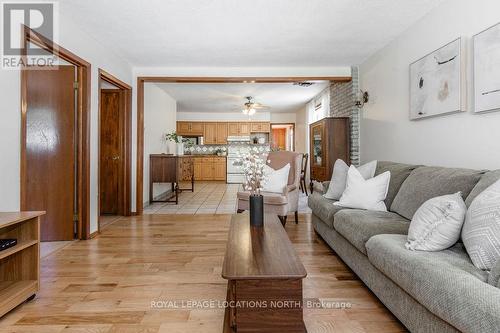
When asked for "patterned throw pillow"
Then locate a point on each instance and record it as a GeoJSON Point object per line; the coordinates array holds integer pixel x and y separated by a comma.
{"type": "Point", "coordinates": [481, 232]}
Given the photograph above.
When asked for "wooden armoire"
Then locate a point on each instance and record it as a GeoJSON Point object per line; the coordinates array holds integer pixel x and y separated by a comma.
{"type": "Point", "coordinates": [329, 140]}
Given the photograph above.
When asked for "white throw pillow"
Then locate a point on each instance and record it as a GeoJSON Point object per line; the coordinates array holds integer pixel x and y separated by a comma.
{"type": "Point", "coordinates": [364, 193]}
{"type": "Point", "coordinates": [481, 232]}
{"type": "Point", "coordinates": [339, 177]}
{"type": "Point", "coordinates": [436, 225]}
{"type": "Point", "coordinates": [276, 180]}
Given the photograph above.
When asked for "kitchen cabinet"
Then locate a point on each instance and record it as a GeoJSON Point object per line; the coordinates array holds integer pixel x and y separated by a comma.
{"type": "Point", "coordinates": [260, 127]}
{"type": "Point", "coordinates": [221, 133]}
{"type": "Point", "coordinates": [210, 168]}
{"type": "Point", "coordinates": [219, 168]}
{"type": "Point", "coordinates": [238, 128]}
{"type": "Point", "coordinates": [190, 128]}
{"type": "Point", "coordinates": [210, 133]}
{"type": "Point", "coordinates": [197, 168]}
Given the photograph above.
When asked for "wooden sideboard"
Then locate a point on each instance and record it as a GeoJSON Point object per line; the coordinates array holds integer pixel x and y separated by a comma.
{"type": "Point", "coordinates": [164, 168]}
{"type": "Point", "coordinates": [20, 264]}
{"type": "Point", "coordinates": [329, 141]}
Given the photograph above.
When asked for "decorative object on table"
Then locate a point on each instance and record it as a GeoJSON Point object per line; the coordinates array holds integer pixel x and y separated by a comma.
{"type": "Point", "coordinates": [7, 243]}
{"type": "Point", "coordinates": [339, 177]}
{"type": "Point", "coordinates": [178, 140]}
{"type": "Point", "coordinates": [481, 231]}
{"type": "Point", "coordinates": [221, 151]}
{"type": "Point", "coordinates": [253, 169]}
{"type": "Point", "coordinates": [361, 193]}
{"type": "Point", "coordinates": [437, 223]}
{"type": "Point", "coordinates": [487, 70]}
{"type": "Point", "coordinates": [437, 82]}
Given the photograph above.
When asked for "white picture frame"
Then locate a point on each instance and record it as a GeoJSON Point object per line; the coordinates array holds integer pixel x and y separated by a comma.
{"type": "Point", "coordinates": [486, 69]}
{"type": "Point", "coordinates": [437, 82]}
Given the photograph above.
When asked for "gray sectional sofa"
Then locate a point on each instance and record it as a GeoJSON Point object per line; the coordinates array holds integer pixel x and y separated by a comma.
{"type": "Point", "coordinates": [427, 291]}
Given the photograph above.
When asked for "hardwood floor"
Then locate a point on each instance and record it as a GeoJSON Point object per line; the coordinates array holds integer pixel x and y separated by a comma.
{"type": "Point", "coordinates": [108, 284]}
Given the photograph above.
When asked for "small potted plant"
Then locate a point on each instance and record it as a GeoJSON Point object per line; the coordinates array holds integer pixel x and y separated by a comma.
{"type": "Point", "coordinates": [253, 168]}
{"type": "Point", "coordinates": [179, 141]}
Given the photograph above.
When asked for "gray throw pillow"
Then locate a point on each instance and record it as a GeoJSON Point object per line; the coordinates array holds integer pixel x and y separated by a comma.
{"type": "Point", "coordinates": [481, 231]}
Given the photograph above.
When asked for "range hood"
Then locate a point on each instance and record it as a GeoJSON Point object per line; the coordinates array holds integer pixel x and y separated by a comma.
{"type": "Point", "coordinates": [238, 138]}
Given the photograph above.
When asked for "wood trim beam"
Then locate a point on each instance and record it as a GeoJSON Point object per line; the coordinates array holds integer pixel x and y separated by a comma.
{"type": "Point", "coordinates": [242, 79]}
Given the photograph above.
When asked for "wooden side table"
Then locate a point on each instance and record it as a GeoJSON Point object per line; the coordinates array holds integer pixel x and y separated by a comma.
{"type": "Point", "coordinates": [164, 168]}
{"type": "Point", "coordinates": [20, 264]}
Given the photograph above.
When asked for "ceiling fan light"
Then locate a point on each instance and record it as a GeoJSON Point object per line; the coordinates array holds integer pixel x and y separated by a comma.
{"type": "Point", "coordinates": [251, 112]}
{"type": "Point", "coordinates": [245, 111]}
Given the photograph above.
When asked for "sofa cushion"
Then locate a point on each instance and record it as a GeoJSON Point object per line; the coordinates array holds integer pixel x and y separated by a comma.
{"type": "Point", "coordinates": [425, 183]}
{"type": "Point", "coordinates": [358, 226]}
{"type": "Point", "coordinates": [323, 207]}
{"type": "Point", "coordinates": [270, 198]}
{"type": "Point", "coordinates": [486, 181]}
{"type": "Point", "coordinates": [399, 172]}
{"type": "Point", "coordinates": [445, 282]}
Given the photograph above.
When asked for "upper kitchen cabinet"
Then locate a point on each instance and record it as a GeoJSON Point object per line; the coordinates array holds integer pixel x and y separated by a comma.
{"type": "Point", "coordinates": [190, 128]}
{"type": "Point", "coordinates": [260, 127]}
{"type": "Point", "coordinates": [238, 128]}
{"type": "Point", "coordinates": [221, 133]}
{"type": "Point", "coordinates": [210, 133]}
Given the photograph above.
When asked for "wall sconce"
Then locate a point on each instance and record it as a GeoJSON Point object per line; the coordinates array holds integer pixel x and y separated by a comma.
{"type": "Point", "coordinates": [363, 98]}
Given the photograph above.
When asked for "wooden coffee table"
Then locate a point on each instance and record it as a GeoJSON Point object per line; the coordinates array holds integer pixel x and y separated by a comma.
{"type": "Point", "coordinates": [264, 279]}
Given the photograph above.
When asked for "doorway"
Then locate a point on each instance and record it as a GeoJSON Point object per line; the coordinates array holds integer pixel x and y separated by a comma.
{"type": "Point", "coordinates": [114, 149]}
{"type": "Point", "coordinates": [55, 107]}
{"type": "Point", "coordinates": [283, 136]}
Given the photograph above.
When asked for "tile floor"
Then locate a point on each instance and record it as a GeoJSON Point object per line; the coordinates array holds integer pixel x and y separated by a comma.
{"type": "Point", "coordinates": [208, 198]}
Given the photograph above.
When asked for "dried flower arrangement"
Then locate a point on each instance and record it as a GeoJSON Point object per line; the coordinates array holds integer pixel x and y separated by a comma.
{"type": "Point", "coordinates": [253, 166]}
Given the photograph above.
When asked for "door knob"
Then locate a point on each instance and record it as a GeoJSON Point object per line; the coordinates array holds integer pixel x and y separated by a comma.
{"type": "Point", "coordinates": [115, 158]}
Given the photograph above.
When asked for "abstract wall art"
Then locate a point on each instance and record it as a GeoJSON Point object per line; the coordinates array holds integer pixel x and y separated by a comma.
{"type": "Point", "coordinates": [487, 70]}
{"type": "Point", "coordinates": [436, 82]}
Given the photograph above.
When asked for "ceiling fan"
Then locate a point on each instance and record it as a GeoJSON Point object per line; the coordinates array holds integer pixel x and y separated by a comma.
{"type": "Point", "coordinates": [250, 107]}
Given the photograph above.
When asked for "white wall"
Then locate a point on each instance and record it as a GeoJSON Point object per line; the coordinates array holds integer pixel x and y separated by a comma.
{"type": "Point", "coordinates": [160, 111]}
{"type": "Point", "coordinates": [73, 39]}
{"type": "Point", "coordinates": [283, 117]}
{"type": "Point", "coordinates": [459, 140]}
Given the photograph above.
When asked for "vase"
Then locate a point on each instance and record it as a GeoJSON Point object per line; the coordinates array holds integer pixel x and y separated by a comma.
{"type": "Point", "coordinates": [256, 210]}
{"type": "Point", "coordinates": [180, 148]}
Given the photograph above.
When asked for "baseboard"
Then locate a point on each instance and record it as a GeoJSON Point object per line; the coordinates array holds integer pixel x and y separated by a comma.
{"type": "Point", "coordinates": [94, 234]}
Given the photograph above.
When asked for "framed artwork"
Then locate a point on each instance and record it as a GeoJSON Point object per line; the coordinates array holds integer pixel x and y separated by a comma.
{"type": "Point", "coordinates": [487, 70]}
{"type": "Point", "coordinates": [437, 82]}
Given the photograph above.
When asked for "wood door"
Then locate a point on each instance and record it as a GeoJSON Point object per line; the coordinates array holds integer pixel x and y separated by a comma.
{"type": "Point", "coordinates": [111, 153]}
{"type": "Point", "coordinates": [221, 133]}
{"type": "Point", "coordinates": [207, 169]}
{"type": "Point", "coordinates": [279, 138]}
{"type": "Point", "coordinates": [244, 129]}
{"type": "Point", "coordinates": [210, 133]}
{"type": "Point", "coordinates": [196, 128]}
{"type": "Point", "coordinates": [50, 157]}
{"type": "Point", "coordinates": [183, 128]}
{"type": "Point", "coordinates": [220, 169]}
{"type": "Point", "coordinates": [233, 129]}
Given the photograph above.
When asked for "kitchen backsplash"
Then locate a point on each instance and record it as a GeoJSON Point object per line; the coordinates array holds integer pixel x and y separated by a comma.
{"type": "Point", "coordinates": [212, 149]}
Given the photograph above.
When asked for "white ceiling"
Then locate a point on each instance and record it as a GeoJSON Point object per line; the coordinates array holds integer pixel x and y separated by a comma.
{"type": "Point", "coordinates": [245, 32]}
{"type": "Point", "coordinates": [230, 97]}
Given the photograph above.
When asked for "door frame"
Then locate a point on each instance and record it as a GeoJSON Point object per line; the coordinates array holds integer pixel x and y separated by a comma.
{"type": "Point", "coordinates": [293, 128]}
{"type": "Point", "coordinates": [83, 69]}
{"type": "Point", "coordinates": [126, 108]}
{"type": "Point", "coordinates": [198, 79]}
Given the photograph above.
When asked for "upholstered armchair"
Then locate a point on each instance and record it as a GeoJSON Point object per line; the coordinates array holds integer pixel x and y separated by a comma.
{"type": "Point", "coordinates": [284, 203]}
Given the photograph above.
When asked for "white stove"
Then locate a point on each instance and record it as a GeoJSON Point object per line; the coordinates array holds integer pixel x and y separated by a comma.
{"type": "Point", "coordinates": [235, 172]}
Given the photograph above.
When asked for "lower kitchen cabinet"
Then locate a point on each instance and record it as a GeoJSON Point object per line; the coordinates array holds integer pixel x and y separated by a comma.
{"type": "Point", "coordinates": [210, 168]}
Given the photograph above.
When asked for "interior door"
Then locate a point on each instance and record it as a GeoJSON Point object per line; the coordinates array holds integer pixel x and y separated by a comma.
{"type": "Point", "coordinates": [110, 152]}
{"type": "Point", "coordinates": [50, 155]}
